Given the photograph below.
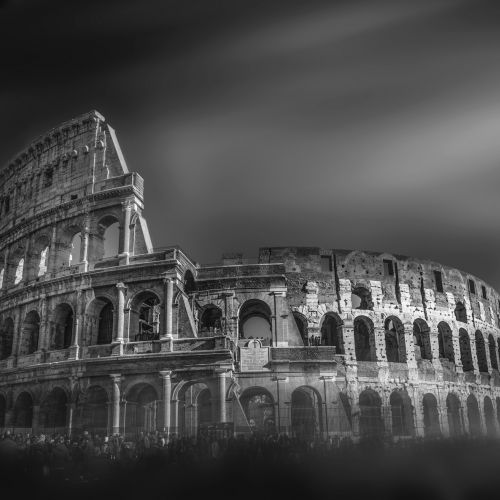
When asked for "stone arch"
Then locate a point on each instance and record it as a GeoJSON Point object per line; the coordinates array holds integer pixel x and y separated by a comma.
{"type": "Point", "coordinates": [15, 265]}
{"type": "Point", "coordinates": [205, 407]}
{"type": "Point", "coordinates": [364, 339]}
{"type": "Point", "coordinates": [39, 257]}
{"type": "Point", "coordinates": [361, 298]}
{"type": "Point", "coordinates": [53, 410]}
{"type": "Point", "coordinates": [401, 413]}
{"type": "Point", "coordinates": [395, 345]}
{"type": "Point", "coordinates": [445, 341]}
{"type": "Point", "coordinates": [465, 350]}
{"type": "Point", "coordinates": [489, 417]}
{"type": "Point", "coordinates": [75, 249]}
{"type": "Point", "coordinates": [460, 312]}
{"type": "Point", "coordinates": [493, 351]}
{"type": "Point", "coordinates": [473, 415]}
{"type": "Point", "coordinates": [6, 338]}
{"type": "Point", "coordinates": [482, 361]}
{"type": "Point", "coordinates": [258, 405]}
{"type": "Point", "coordinates": [210, 321]}
{"type": "Point", "coordinates": [306, 415]}
{"type": "Point", "coordinates": [370, 418]}
{"type": "Point", "coordinates": [62, 325]}
{"type": "Point", "coordinates": [145, 316]}
{"type": "Point", "coordinates": [30, 333]}
{"type": "Point", "coordinates": [100, 317]}
{"type": "Point", "coordinates": [143, 413]}
{"type": "Point", "coordinates": [93, 410]}
{"type": "Point", "coordinates": [422, 340]}
{"type": "Point", "coordinates": [23, 411]}
{"type": "Point", "coordinates": [255, 320]}
{"type": "Point", "coordinates": [454, 412]}
{"type": "Point", "coordinates": [107, 241]}
{"type": "Point", "coordinates": [190, 396]}
{"type": "Point", "coordinates": [302, 325]}
{"type": "Point", "coordinates": [331, 332]}
{"type": "Point", "coordinates": [432, 426]}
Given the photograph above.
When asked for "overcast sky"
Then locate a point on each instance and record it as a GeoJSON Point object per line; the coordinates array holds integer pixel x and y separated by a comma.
{"type": "Point", "coordinates": [351, 124]}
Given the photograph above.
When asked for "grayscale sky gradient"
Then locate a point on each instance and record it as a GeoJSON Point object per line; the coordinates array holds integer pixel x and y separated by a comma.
{"type": "Point", "coordinates": [344, 124]}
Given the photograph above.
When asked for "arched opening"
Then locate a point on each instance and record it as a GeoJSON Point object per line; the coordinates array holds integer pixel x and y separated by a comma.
{"type": "Point", "coordinates": [482, 362]}
{"type": "Point", "coordinates": [195, 408]}
{"type": "Point", "coordinates": [258, 406]}
{"type": "Point", "coordinates": [465, 350]}
{"type": "Point", "coordinates": [473, 416]}
{"type": "Point", "coordinates": [105, 329]}
{"type": "Point", "coordinates": [306, 413]}
{"type": "Point", "coordinates": [43, 262]}
{"type": "Point", "coordinates": [100, 321]}
{"type": "Point", "coordinates": [445, 340]}
{"type": "Point", "coordinates": [145, 316]}
{"type": "Point", "coordinates": [94, 410]}
{"type": "Point", "coordinates": [62, 327]}
{"type": "Point", "coordinates": [453, 409]}
{"type": "Point", "coordinates": [6, 338]}
{"type": "Point", "coordinates": [395, 347]}
{"type": "Point", "coordinates": [30, 333]}
{"type": "Point", "coordinates": [53, 411]}
{"type": "Point", "coordinates": [421, 338]}
{"type": "Point", "coordinates": [111, 238]}
{"type": "Point", "coordinates": [364, 339]}
{"type": "Point", "coordinates": [370, 418]}
{"type": "Point", "coordinates": [493, 351]}
{"type": "Point", "coordinates": [489, 417]}
{"type": "Point", "coordinates": [189, 283]}
{"type": "Point", "coordinates": [143, 411]}
{"type": "Point", "coordinates": [255, 321]}
{"type": "Point", "coordinates": [401, 414]}
{"type": "Point", "coordinates": [38, 257]}
{"type": "Point", "coordinates": [301, 322]}
{"type": "Point", "coordinates": [331, 332]}
{"type": "Point", "coordinates": [461, 312]}
{"type": "Point", "coordinates": [2, 273]}
{"type": "Point", "coordinates": [75, 249]}
{"type": "Point", "coordinates": [361, 298]}
{"type": "Point", "coordinates": [210, 321]}
{"type": "Point", "coordinates": [23, 412]}
{"type": "Point", "coordinates": [3, 408]}
{"type": "Point", "coordinates": [431, 416]}
{"type": "Point", "coordinates": [19, 271]}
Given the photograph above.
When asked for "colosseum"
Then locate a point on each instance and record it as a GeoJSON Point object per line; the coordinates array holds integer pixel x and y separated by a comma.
{"type": "Point", "coordinates": [99, 330]}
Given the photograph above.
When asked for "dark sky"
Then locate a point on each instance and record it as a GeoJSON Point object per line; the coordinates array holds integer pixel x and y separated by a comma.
{"type": "Point", "coordinates": [349, 124]}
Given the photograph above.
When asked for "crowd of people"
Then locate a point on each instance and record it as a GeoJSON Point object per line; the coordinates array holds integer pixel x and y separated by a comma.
{"type": "Point", "coordinates": [91, 458]}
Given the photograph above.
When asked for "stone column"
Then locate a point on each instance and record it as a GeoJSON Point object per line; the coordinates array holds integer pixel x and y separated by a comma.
{"type": "Point", "coordinates": [84, 250]}
{"type": "Point", "coordinates": [26, 267]}
{"type": "Point", "coordinates": [169, 295]}
{"type": "Point", "coordinates": [75, 341]}
{"type": "Point", "coordinates": [167, 395]}
{"type": "Point", "coordinates": [52, 267]}
{"type": "Point", "coordinates": [120, 314]}
{"type": "Point", "coordinates": [115, 405]}
{"type": "Point", "coordinates": [280, 315]}
{"type": "Point", "coordinates": [5, 268]}
{"type": "Point", "coordinates": [127, 209]}
{"type": "Point", "coordinates": [70, 413]}
{"type": "Point", "coordinates": [221, 375]}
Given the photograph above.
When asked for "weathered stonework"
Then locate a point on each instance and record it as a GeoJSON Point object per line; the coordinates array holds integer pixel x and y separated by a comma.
{"type": "Point", "coordinates": [116, 336]}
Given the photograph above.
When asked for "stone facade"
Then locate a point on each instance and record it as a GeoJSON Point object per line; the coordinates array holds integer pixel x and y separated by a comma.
{"type": "Point", "coordinates": [99, 330]}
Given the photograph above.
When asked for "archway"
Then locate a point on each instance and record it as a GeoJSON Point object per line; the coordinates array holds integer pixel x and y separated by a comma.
{"type": "Point", "coordinates": [474, 416]}
{"type": "Point", "coordinates": [62, 327]}
{"type": "Point", "coordinates": [445, 340]}
{"type": "Point", "coordinates": [6, 338]}
{"type": "Point", "coordinates": [195, 408]}
{"type": "Point", "coordinates": [489, 417]}
{"type": "Point", "coordinates": [331, 332]}
{"type": "Point", "coordinates": [109, 232]}
{"type": "Point", "coordinates": [421, 337]}
{"type": "Point", "coordinates": [23, 412]}
{"type": "Point", "coordinates": [361, 298]}
{"type": "Point", "coordinates": [395, 347]}
{"type": "Point", "coordinates": [453, 409]}
{"type": "Point", "coordinates": [460, 313]}
{"type": "Point", "coordinates": [53, 411]}
{"type": "Point", "coordinates": [482, 362]}
{"type": "Point", "coordinates": [255, 321]}
{"type": "Point", "coordinates": [143, 413]}
{"type": "Point", "coordinates": [306, 413]}
{"type": "Point", "coordinates": [301, 322]}
{"type": "Point", "coordinates": [465, 350]}
{"type": "Point", "coordinates": [145, 317]}
{"type": "Point", "coordinates": [370, 419]}
{"type": "Point", "coordinates": [258, 406]}
{"type": "Point", "coordinates": [431, 416]}
{"type": "Point", "coordinates": [30, 333]}
{"type": "Point", "coordinates": [493, 351]}
{"type": "Point", "coordinates": [401, 414]}
{"type": "Point", "coordinates": [210, 321]}
{"type": "Point", "coordinates": [364, 339]}
{"type": "Point", "coordinates": [94, 410]}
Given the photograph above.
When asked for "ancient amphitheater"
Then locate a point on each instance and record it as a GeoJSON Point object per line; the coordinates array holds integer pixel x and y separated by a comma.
{"type": "Point", "coordinates": [101, 331]}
